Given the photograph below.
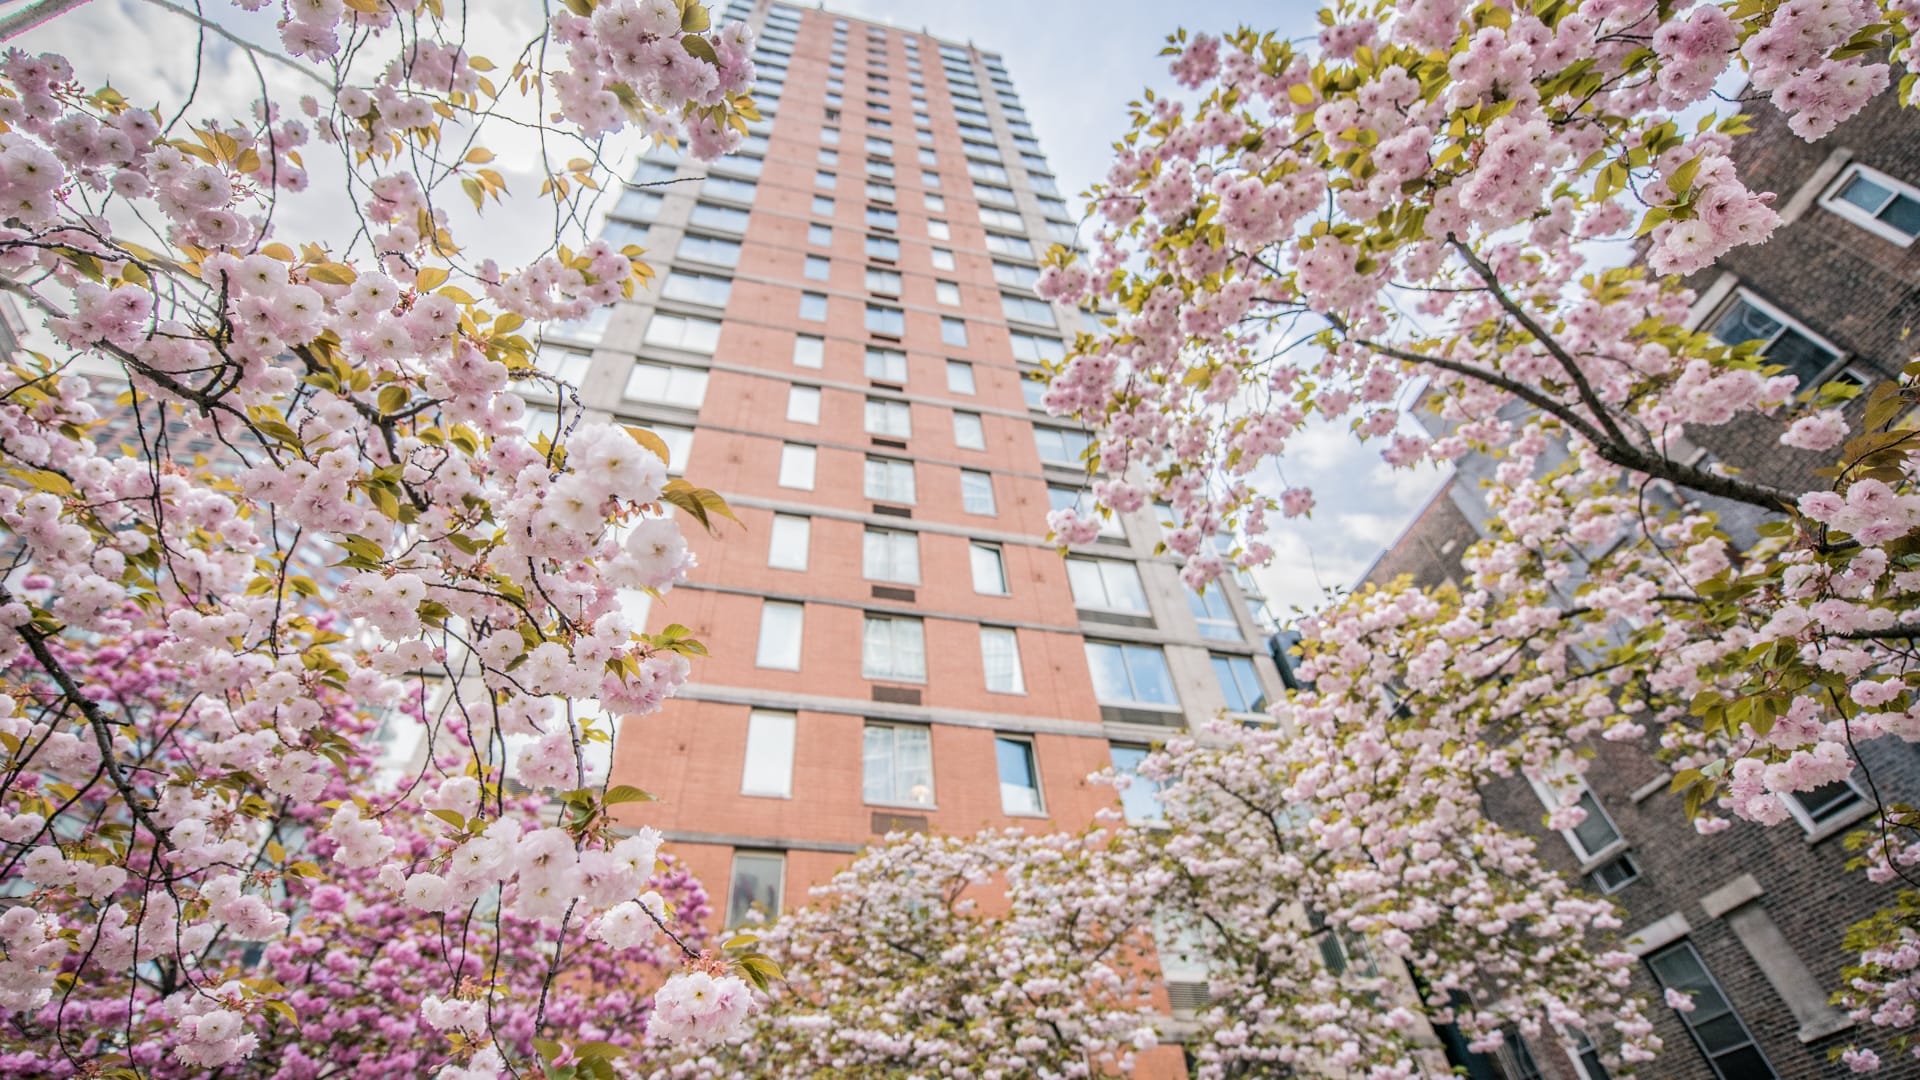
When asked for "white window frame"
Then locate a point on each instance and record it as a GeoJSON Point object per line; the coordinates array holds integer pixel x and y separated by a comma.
{"type": "Point", "coordinates": [809, 356]}
{"type": "Point", "coordinates": [926, 733]}
{"type": "Point", "coordinates": [960, 377]}
{"type": "Point", "coordinates": [803, 404]}
{"type": "Point", "coordinates": [893, 672]}
{"type": "Point", "coordinates": [891, 468]}
{"type": "Point", "coordinates": [795, 459]}
{"type": "Point", "coordinates": [976, 553]}
{"type": "Point", "coordinates": [969, 430]}
{"type": "Point", "coordinates": [889, 418]}
{"type": "Point", "coordinates": [1741, 293]}
{"type": "Point", "coordinates": [1551, 790]}
{"type": "Point", "coordinates": [1830, 198]}
{"type": "Point", "coordinates": [780, 888]}
{"type": "Point", "coordinates": [789, 541]}
{"type": "Point", "coordinates": [777, 659]}
{"type": "Point", "coordinates": [1012, 639]}
{"type": "Point", "coordinates": [773, 733]}
{"type": "Point", "coordinates": [892, 541]}
{"type": "Point", "coordinates": [681, 387]}
{"type": "Point", "coordinates": [993, 508]}
{"type": "Point", "coordinates": [1039, 808]}
{"type": "Point", "coordinates": [1834, 824]}
{"type": "Point", "coordinates": [1100, 567]}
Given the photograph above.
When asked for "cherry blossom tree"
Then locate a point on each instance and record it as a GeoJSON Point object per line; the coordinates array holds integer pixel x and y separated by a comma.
{"type": "Point", "coordinates": [268, 488]}
{"type": "Point", "coordinates": [1423, 200]}
{"type": "Point", "coordinates": [369, 979]}
{"type": "Point", "coordinates": [992, 955]}
{"type": "Point", "coordinates": [1346, 899]}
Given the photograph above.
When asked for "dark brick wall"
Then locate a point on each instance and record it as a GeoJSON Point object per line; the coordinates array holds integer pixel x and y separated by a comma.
{"type": "Point", "coordinates": [1851, 286]}
{"type": "Point", "coordinates": [1808, 893]}
{"type": "Point", "coordinates": [1430, 548]}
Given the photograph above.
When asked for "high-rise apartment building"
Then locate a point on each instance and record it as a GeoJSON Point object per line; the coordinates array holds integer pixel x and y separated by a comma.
{"type": "Point", "coordinates": [843, 340]}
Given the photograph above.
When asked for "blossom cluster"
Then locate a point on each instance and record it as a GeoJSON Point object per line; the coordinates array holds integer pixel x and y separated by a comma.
{"type": "Point", "coordinates": [283, 500]}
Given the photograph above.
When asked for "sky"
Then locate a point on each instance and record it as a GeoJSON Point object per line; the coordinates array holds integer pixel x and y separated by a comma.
{"type": "Point", "coordinates": [1075, 63]}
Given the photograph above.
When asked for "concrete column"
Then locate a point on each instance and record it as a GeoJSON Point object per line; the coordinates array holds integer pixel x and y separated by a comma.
{"type": "Point", "coordinates": [1785, 971]}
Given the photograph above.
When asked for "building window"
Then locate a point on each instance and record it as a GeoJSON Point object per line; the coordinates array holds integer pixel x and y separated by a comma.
{"type": "Point", "coordinates": [1214, 614]}
{"type": "Point", "coordinates": [976, 493]}
{"type": "Point", "coordinates": [667, 384]}
{"type": "Point", "coordinates": [787, 542]}
{"type": "Point", "coordinates": [823, 179]}
{"type": "Point", "coordinates": [1037, 350]}
{"type": "Point", "coordinates": [823, 206]}
{"type": "Point", "coordinates": [883, 248]}
{"type": "Point", "coordinates": [989, 569]}
{"type": "Point", "coordinates": [880, 192]}
{"type": "Point", "coordinates": [946, 292]}
{"type": "Point", "coordinates": [885, 320]}
{"type": "Point", "coordinates": [820, 235]}
{"type": "Point", "coordinates": [1876, 202]}
{"type": "Point", "coordinates": [1595, 837]}
{"type": "Point", "coordinates": [1139, 797]}
{"type": "Point", "coordinates": [1015, 246]}
{"type": "Point", "coordinates": [969, 433]}
{"type": "Point", "coordinates": [888, 555]}
{"type": "Point", "coordinates": [935, 203]}
{"type": "Point", "coordinates": [1000, 656]}
{"type": "Point", "coordinates": [887, 365]}
{"type": "Point", "coordinates": [939, 230]}
{"type": "Point", "coordinates": [818, 268]}
{"type": "Point", "coordinates": [796, 466]}
{"type": "Point", "coordinates": [809, 352]}
{"type": "Point", "coordinates": [830, 136]}
{"type": "Point", "coordinates": [1066, 498]}
{"type": "Point", "coordinates": [769, 764]}
{"type": "Point", "coordinates": [1781, 340]}
{"type": "Point", "coordinates": [959, 377]}
{"type": "Point", "coordinates": [759, 877]}
{"type": "Point", "coordinates": [897, 763]}
{"type": "Point", "coordinates": [883, 282]}
{"type": "Point", "coordinates": [709, 249]}
{"type": "Point", "coordinates": [682, 332]}
{"type": "Point", "coordinates": [942, 259]}
{"type": "Point", "coordinates": [878, 218]}
{"type": "Point", "coordinates": [813, 307]}
{"type": "Point", "coordinates": [1026, 309]}
{"type": "Point", "coordinates": [1826, 803]}
{"type": "Point", "coordinates": [1715, 1027]}
{"type": "Point", "coordinates": [1061, 446]}
{"type": "Point", "coordinates": [780, 628]}
{"type": "Point", "coordinates": [1015, 275]}
{"type": "Point", "coordinates": [893, 648]}
{"type": "Point", "coordinates": [1239, 684]}
{"type": "Point", "coordinates": [889, 480]}
{"type": "Point", "coordinates": [803, 404]}
{"type": "Point", "coordinates": [1130, 674]}
{"type": "Point", "coordinates": [1344, 950]}
{"type": "Point", "coordinates": [828, 157]}
{"type": "Point", "coordinates": [1019, 776]}
{"type": "Point", "coordinates": [719, 218]}
{"type": "Point", "coordinates": [892, 419]}
{"type": "Point", "coordinates": [953, 331]}
{"type": "Point", "coordinates": [1586, 1055]}
{"type": "Point", "coordinates": [688, 287]}
{"type": "Point", "coordinates": [1106, 585]}
{"type": "Point", "coordinates": [679, 442]}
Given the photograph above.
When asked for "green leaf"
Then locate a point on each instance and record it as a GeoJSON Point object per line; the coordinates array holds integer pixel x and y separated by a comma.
{"type": "Point", "coordinates": [700, 49]}
{"type": "Point", "coordinates": [626, 793]}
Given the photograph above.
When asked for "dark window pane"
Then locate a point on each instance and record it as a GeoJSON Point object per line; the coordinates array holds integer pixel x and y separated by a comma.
{"type": "Point", "coordinates": [1864, 194]}
{"type": "Point", "coordinates": [1800, 355]}
{"type": "Point", "coordinates": [1903, 214]}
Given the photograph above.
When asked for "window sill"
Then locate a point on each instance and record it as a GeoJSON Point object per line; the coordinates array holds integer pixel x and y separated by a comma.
{"type": "Point", "coordinates": [924, 807]}
{"type": "Point", "coordinates": [1028, 816]}
{"type": "Point", "coordinates": [1840, 823]}
{"type": "Point", "coordinates": [765, 795]}
{"type": "Point", "coordinates": [1603, 856]}
{"type": "Point", "coordinates": [1007, 693]}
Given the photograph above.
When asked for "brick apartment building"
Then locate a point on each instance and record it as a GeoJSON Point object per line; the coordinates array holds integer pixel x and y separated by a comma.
{"type": "Point", "coordinates": [1750, 920]}
{"type": "Point", "coordinates": [842, 341]}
